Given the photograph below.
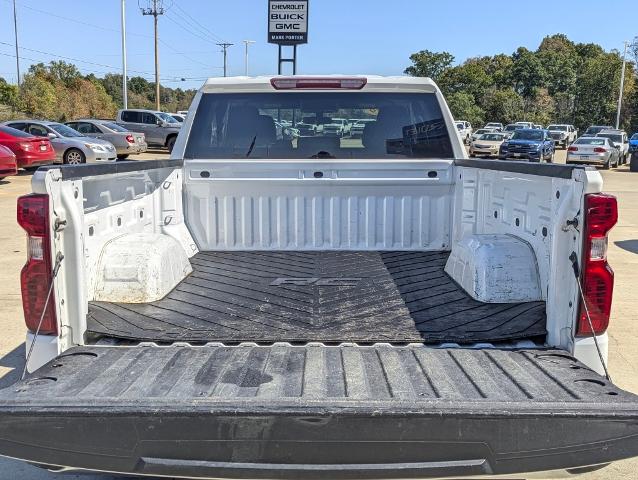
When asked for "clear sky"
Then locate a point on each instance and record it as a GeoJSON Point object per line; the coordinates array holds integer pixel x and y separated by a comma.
{"type": "Point", "coordinates": [345, 36]}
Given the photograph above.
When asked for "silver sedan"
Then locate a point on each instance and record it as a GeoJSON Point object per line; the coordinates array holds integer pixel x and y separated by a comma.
{"type": "Point", "coordinates": [594, 150]}
{"type": "Point", "coordinates": [70, 146]}
{"type": "Point", "coordinates": [125, 142]}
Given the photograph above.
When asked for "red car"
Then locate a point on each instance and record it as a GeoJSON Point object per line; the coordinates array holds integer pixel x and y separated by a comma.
{"type": "Point", "coordinates": [8, 165]}
{"type": "Point", "coordinates": [30, 151]}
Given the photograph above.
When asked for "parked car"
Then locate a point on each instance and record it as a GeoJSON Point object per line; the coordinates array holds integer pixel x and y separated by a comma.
{"type": "Point", "coordinates": [633, 143]}
{"type": "Point", "coordinates": [307, 127]}
{"type": "Point", "coordinates": [409, 314]}
{"type": "Point", "coordinates": [620, 141]}
{"type": "Point", "coordinates": [159, 128]}
{"type": "Point", "coordinates": [594, 129]}
{"type": "Point", "coordinates": [525, 124]}
{"type": "Point", "coordinates": [465, 130]}
{"type": "Point", "coordinates": [594, 150]}
{"type": "Point", "coordinates": [124, 141]}
{"type": "Point", "coordinates": [8, 163]}
{"type": "Point", "coordinates": [31, 151]}
{"type": "Point", "coordinates": [178, 117]}
{"type": "Point", "coordinates": [285, 131]}
{"type": "Point", "coordinates": [511, 128]}
{"type": "Point", "coordinates": [528, 144]}
{"type": "Point", "coordinates": [537, 127]}
{"type": "Point", "coordinates": [477, 133]}
{"type": "Point", "coordinates": [70, 145]}
{"type": "Point", "coordinates": [487, 144]}
{"type": "Point", "coordinates": [563, 134]}
{"type": "Point", "coordinates": [337, 127]}
{"type": "Point", "coordinates": [183, 113]}
{"type": "Point", "coordinates": [356, 131]}
{"type": "Point", "coordinates": [495, 125]}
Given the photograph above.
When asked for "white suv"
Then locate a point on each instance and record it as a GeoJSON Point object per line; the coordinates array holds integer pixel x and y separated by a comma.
{"type": "Point", "coordinates": [465, 130]}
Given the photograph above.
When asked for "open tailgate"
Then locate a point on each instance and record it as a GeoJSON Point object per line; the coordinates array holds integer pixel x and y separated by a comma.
{"type": "Point", "coordinates": [316, 411]}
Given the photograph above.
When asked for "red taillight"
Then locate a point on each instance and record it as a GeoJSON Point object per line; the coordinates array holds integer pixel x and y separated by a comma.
{"type": "Point", "coordinates": [130, 139]}
{"type": "Point", "coordinates": [572, 149]}
{"type": "Point", "coordinates": [600, 150]}
{"type": "Point", "coordinates": [37, 274]}
{"type": "Point", "coordinates": [319, 83]}
{"type": "Point", "coordinates": [26, 146]}
{"type": "Point", "coordinates": [601, 214]}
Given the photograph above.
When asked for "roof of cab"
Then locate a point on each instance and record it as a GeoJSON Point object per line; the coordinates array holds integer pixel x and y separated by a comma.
{"type": "Point", "coordinates": [374, 82]}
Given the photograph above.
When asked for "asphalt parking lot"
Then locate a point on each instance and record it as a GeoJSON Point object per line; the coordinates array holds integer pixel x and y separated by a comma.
{"type": "Point", "coordinates": [623, 256]}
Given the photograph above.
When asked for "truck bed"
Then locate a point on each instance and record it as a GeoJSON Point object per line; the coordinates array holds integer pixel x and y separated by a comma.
{"type": "Point", "coordinates": [327, 296]}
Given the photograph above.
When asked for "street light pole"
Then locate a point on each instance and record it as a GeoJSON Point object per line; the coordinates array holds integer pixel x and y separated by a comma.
{"type": "Point", "coordinates": [622, 85]}
{"type": "Point", "coordinates": [247, 42]}
{"type": "Point", "coordinates": [124, 79]}
{"type": "Point", "coordinates": [15, 31]}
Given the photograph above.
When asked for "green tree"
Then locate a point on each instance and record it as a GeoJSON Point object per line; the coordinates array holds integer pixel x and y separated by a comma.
{"type": "Point", "coordinates": [597, 90]}
{"type": "Point", "coordinates": [8, 93]}
{"type": "Point", "coordinates": [64, 72]}
{"type": "Point", "coordinates": [527, 72]}
{"type": "Point", "coordinates": [470, 77]}
{"type": "Point", "coordinates": [38, 97]}
{"type": "Point", "coordinates": [429, 64]}
{"type": "Point", "coordinates": [464, 107]}
{"type": "Point", "coordinates": [505, 105]}
{"type": "Point", "coordinates": [559, 60]}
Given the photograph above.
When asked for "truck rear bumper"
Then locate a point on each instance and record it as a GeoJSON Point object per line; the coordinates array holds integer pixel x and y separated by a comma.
{"type": "Point", "coordinates": [314, 411]}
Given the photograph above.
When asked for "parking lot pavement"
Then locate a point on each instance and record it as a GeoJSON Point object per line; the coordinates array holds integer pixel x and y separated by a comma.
{"type": "Point", "coordinates": [623, 331]}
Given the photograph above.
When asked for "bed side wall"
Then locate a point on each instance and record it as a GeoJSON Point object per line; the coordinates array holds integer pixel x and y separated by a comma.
{"type": "Point", "coordinates": [534, 208]}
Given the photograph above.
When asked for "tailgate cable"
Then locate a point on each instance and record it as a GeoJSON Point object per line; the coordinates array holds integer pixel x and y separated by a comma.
{"type": "Point", "coordinates": [574, 259]}
{"type": "Point", "coordinates": [56, 269]}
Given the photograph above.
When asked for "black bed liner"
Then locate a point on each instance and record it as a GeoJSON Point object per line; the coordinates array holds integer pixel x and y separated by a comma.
{"type": "Point", "coordinates": [293, 296]}
{"type": "Point", "coordinates": [315, 411]}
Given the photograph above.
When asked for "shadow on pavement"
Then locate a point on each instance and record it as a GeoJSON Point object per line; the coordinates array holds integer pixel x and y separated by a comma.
{"type": "Point", "coordinates": [15, 361]}
{"type": "Point", "coordinates": [629, 245]}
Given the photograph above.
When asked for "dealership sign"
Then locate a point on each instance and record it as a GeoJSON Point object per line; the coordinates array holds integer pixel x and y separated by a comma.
{"type": "Point", "coordinates": [288, 21]}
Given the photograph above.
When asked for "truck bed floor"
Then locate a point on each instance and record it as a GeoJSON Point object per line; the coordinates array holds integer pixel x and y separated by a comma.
{"type": "Point", "coordinates": [363, 297]}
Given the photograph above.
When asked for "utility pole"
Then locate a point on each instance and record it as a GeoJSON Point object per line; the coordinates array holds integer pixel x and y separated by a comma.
{"type": "Point", "coordinates": [15, 30]}
{"type": "Point", "coordinates": [225, 51]}
{"type": "Point", "coordinates": [155, 11]}
{"type": "Point", "coordinates": [247, 42]}
{"type": "Point", "coordinates": [622, 85]}
{"type": "Point", "coordinates": [124, 79]}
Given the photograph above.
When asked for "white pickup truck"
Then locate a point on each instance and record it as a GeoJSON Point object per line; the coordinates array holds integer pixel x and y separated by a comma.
{"type": "Point", "coordinates": [263, 307]}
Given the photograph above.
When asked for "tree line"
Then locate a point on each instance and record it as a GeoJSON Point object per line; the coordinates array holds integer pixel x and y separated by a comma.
{"type": "Point", "coordinates": [58, 91]}
{"type": "Point", "coordinates": [561, 82]}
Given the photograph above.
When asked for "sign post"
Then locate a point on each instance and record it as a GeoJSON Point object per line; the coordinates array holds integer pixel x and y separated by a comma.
{"type": "Point", "coordinates": [288, 26]}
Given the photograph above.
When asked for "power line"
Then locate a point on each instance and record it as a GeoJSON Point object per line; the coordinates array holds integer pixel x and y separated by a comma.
{"type": "Point", "coordinates": [74, 20]}
{"type": "Point", "coordinates": [202, 27]}
{"type": "Point", "coordinates": [100, 27]}
{"type": "Point", "coordinates": [106, 29]}
{"type": "Point", "coordinates": [145, 74]}
{"type": "Point", "coordinates": [189, 31]}
{"type": "Point", "coordinates": [71, 58]}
